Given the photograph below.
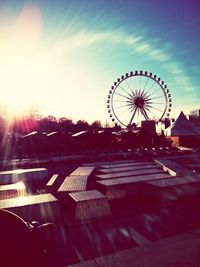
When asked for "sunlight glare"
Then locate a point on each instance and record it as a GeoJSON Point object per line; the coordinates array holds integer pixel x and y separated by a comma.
{"type": "Point", "coordinates": [52, 77]}
{"type": "Point", "coordinates": [19, 45]}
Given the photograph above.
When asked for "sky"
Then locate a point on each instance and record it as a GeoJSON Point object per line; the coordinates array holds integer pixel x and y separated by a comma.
{"type": "Point", "coordinates": [62, 57]}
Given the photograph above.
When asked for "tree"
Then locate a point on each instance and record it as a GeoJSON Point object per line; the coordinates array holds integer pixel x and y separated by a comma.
{"type": "Point", "coordinates": [106, 124]}
{"type": "Point", "coordinates": [195, 116]}
{"type": "Point", "coordinates": [96, 125]}
{"type": "Point", "coordinates": [48, 124]}
{"type": "Point", "coordinates": [66, 125]}
{"type": "Point", "coordinates": [51, 118]}
{"type": "Point", "coordinates": [195, 113]}
{"type": "Point", "coordinates": [82, 125]}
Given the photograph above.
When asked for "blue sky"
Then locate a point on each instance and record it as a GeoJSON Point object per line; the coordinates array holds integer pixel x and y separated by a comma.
{"type": "Point", "coordinates": [65, 55]}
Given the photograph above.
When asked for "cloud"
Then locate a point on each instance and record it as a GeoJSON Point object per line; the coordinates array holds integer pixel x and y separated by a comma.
{"type": "Point", "coordinates": [134, 44]}
{"type": "Point", "coordinates": [143, 48]}
{"type": "Point", "coordinates": [159, 55]}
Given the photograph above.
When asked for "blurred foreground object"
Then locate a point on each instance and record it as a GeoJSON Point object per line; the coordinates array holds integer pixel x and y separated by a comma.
{"type": "Point", "coordinates": [23, 243]}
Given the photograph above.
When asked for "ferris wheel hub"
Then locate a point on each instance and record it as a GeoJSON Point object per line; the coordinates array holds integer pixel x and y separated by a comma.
{"type": "Point", "coordinates": [139, 102]}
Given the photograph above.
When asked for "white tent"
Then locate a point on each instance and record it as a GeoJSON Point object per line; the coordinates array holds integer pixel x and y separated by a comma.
{"type": "Point", "coordinates": [182, 127]}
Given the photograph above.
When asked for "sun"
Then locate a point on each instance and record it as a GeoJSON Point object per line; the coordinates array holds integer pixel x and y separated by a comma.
{"type": "Point", "coordinates": [24, 84]}
{"type": "Point", "coordinates": [15, 83]}
{"type": "Point", "coordinates": [31, 72]}
{"type": "Point", "coordinates": [20, 77]}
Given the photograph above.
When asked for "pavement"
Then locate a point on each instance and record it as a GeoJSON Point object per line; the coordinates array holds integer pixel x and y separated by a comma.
{"type": "Point", "coordinates": [162, 236]}
{"type": "Point", "coordinates": [181, 250]}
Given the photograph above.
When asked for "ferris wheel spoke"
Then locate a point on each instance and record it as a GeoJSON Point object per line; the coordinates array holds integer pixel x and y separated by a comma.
{"type": "Point", "coordinates": [143, 94]}
{"type": "Point", "coordinates": [132, 117]}
{"type": "Point", "coordinates": [120, 106]}
{"type": "Point", "coordinates": [123, 112]}
{"type": "Point", "coordinates": [155, 108]}
{"type": "Point", "coordinates": [124, 90]}
{"type": "Point", "coordinates": [130, 100]}
{"type": "Point", "coordinates": [130, 105]}
{"type": "Point", "coordinates": [144, 113]}
{"type": "Point", "coordinates": [128, 85]}
{"type": "Point", "coordinates": [148, 90]}
{"type": "Point", "coordinates": [120, 101]}
{"type": "Point", "coordinates": [146, 94]}
{"type": "Point", "coordinates": [155, 92]}
{"type": "Point", "coordinates": [154, 103]}
{"type": "Point", "coordinates": [140, 93]}
{"type": "Point", "coordinates": [122, 95]}
{"type": "Point", "coordinates": [133, 83]}
{"type": "Point", "coordinates": [157, 97]}
{"type": "Point", "coordinates": [151, 112]}
{"type": "Point", "coordinates": [146, 83]}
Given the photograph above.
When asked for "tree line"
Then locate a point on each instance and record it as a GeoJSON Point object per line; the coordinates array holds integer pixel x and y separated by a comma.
{"type": "Point", "coordinates": [46, 124]}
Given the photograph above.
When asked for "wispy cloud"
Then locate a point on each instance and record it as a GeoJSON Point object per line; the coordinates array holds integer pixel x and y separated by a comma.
{"type": "Point", "coordinates": [137, 44]}
{"type": "Point", "coordinates": [153, 50]}
{"type": "Point", "coordinates": [155, 53]}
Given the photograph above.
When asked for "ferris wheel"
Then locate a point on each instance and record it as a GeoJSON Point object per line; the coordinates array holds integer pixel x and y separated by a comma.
{"type": "Point", "coordinates": [138, 96]}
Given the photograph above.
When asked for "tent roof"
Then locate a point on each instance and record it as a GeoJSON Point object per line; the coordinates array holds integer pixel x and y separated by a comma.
{"type": "Point", "coordinates": [182, 126]}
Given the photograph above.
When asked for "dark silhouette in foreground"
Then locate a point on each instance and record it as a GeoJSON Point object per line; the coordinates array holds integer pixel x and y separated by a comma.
{"type": "Point", "coordinates": [23, 243]}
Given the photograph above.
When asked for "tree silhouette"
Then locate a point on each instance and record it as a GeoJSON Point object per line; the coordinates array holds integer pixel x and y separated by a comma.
{"type": "Point", "coordinates": [96, 125]}
{"type": "Point", "coordinates": [66, 125]}
{"type": "Point", "coordinates": [81, 125]}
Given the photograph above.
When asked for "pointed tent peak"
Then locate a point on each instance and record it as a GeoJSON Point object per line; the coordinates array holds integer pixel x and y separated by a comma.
{"type": "Point", "coordinates": [182, 121]}
{"type": "Point", "coordinates": [183, 126]}
{"type": "Point", "coordinates": [181, 116]}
